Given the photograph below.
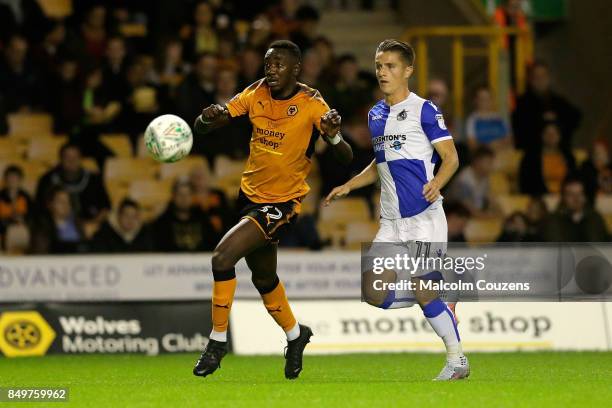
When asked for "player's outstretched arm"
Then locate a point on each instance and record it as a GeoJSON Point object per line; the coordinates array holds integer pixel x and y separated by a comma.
{"type": "Point", "coordinates": [450, 164]}
{"type": "Point", "coordinates": [330, 125]}
{"type": "Point", "coordinates": [368, 176]}
{"type": "Point", "coordinates": [212, 117]}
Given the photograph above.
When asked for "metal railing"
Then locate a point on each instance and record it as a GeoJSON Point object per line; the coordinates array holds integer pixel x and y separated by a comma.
{"type": "Point", "coordinates": [493, 36]}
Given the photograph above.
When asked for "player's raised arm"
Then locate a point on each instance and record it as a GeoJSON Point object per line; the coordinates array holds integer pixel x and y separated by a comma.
{"type": "Point", "coordinates": [368, 176]}
{"type": "Point", "coordinates": [330, 127]}
{"type": "Point", "coordinates": [450, 164]}
{"type": "Point", "coordinates": [212, 117]}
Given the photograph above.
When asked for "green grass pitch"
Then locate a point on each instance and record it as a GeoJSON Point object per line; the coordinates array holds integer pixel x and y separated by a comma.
{"type": "Point", "coordinates": [359, 380]}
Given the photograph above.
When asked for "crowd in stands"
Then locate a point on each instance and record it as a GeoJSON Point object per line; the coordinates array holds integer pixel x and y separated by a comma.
{"type": "Point", "coordinates": [105, 70]}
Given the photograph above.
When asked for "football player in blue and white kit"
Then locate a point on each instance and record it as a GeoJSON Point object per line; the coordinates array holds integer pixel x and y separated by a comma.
{"type": "Point", "coordinates": [408, 137]}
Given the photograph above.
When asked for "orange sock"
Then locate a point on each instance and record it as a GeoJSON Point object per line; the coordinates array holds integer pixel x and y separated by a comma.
{"type": "Point", "coordinates": [278, 306]}
{"type": "Point", "coordinates": [223, 296]}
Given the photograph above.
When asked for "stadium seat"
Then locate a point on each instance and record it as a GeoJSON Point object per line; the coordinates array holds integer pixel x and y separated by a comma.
{"type": "Point", "coordinates": [10, 149]}
{"type": "Point", "coordinates": [552, 201]}
{"type": "Point", "coordinates": [117, 191]}
{"type": "Point", "coordinates": [170, 171]}
{"type": "Point", "coordinates": [124, 170]}
{"type": "Point", "coordinates": [608, 218]}
{"type": "Point", "coordinates": [17, 239]}
{"type": "Point", "coordinates": [345, 211]}
{"type": "Point", "coordinates": [90, 164]}
{"type": "Point", "coordinates": [580, 155]}
{"type": "Point", "coordinates": [336, 234]}
{"type": "Point", "coordinates": [603, 203]}
{"type": "Point", "coordinates": [152, 195]}
{"type": "Point", "coordinates": [45, 149]}
{"type": "Point", "coordinates": [358, 232]}
{"type": "Point", "coordinates": [499, 183]}
{"type": "Point", "coordinates": [228, 168]}
{"type": "Point", "coordinates": [508, 162]}
{"type": "Point", "coordinates": [30, 124]}
{"type": "Point", "coordinates": [56, 9]}
{"type": "Point", "coordinates": [483, 230]}
{"type": "Point", "coordinates": [118, 143]}
{"type": "Point", "coordinates": [513, 202]}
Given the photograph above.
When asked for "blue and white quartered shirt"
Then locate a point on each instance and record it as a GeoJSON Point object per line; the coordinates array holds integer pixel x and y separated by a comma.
{"type": "Point", "coordinates": [402, 137]}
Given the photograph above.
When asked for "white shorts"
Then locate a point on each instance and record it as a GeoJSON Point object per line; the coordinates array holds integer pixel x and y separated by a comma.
{"type": "Point", "coordinates": [425, 233]}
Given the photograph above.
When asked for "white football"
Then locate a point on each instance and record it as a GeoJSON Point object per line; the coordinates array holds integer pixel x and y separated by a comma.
{"type": "Point", "coordinates": [168, 138]}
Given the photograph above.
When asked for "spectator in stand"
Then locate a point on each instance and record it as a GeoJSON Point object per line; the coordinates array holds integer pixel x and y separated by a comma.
{"type": "Point", "coordinates": [183, 227]}
{"type": "Point", "coordinates": [535, 214]}
{"type": "Point", "coordinates": [457, 217]}
{"type": "Point", "coordinates": [350, 94]}
{"type": "Point", "coordinates": [66, 103]}
{"type": "Point", "coordinates": [311, 69]}
{"type": "Point", "coordinates": [115, 68]}
{"type": "Point", "coordinates": [210, 200]}
{"type": "Point", "coordinates": [307, 22]}
{"type": "Point", "coordinates": [87, 194]}
{"type": "Point", "coordinates": [46, 55]}
{"type": "Point", "coordinates": [198, 89]}
{"type": "Point", "coordinates": [516, 229]}
{"type": "Point", "coordinates": [58, 230]}
{"type": "Point", "coordinates": [172, 67]}
{"type": "Point", "coordinates": [486, 126]}
{"type": "Point", "coordinates": [539, 105]}
{"type": "Point", "coordinates": [143, 101]}
{"type": "Point", "coordinates": [94, 32]}
{"type": "Point", "coordinates": [128, 234]}
{"type": "Point", "coordinates": [543, 170]}
{"type": "Point", "coordinates": [24, 16]}
{"type": "Point", "coordinates": [596, 171]}
{"type": "Point", "coordinates": [15, 202]}
{"type": "Point", "coordinates": [202, 36]}
{"type": "Point", "coordinates": [471, 186]}
{"type": "Point", "coordinates": [325, 48]}
{"type": "Point", "coordinates": [228, 60]}
{"type": "Point", "coordinates": [19, 80]}
{"type": "Point", "coordinates": [574, 220]}
{"type": "Point", "coordinates": [251, 67]}
{"type": "Point", "coordinates": [233, 139]}
{"type": "Point", "coordinates": [510, 14]}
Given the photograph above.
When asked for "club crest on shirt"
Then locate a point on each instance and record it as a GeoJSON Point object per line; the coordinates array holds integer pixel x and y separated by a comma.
{"type": "Point", "coordinates": [397, 145]}
{"type": "Point", "coordinates": [440, 120]}
{"type": "Point", "coordinates": [402, 115]}
{"type": "Point", "coordinates": [292, 110]}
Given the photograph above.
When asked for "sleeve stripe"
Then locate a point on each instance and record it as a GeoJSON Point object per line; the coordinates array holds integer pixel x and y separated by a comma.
{"type": "Point", "coordinates": [439, 139]}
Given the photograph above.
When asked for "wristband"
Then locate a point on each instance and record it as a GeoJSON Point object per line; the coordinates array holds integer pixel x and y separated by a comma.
{"type": "Point", "coordinates": [335, 140]}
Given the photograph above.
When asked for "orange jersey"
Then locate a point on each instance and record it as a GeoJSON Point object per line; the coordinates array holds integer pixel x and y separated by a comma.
{"type": "Point", "coordinates": [282, 142]}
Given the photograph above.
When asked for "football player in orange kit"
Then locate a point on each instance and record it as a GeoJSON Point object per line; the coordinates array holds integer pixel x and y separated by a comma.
{"type": "Point", "coordinates": [287, 118]}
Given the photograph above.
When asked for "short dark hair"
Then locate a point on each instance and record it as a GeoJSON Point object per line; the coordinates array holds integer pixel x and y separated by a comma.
{"type": "Point", "coordinates": [289, 46]}
{"type": "Point", "coordinates": [403, 48]}
{"type": "Point", "coordinates": [13, 169]}
{"type": "Point", "coordinates": [572, 178]}
{"type": "Point", "coordinates": [128, 202]}
{"type": "Point", "coordinates": [347, 58]}
{"type": "Point", "coordinates": [66, 146]}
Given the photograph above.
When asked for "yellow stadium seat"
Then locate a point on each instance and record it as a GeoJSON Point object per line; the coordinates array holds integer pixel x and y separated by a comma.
{"type": "Point", "coordinates": [117, 191]}
{"type": "Point", "coordinates": [336, 234]}
{"type": "Point", "coordinates": [226, 168]}
{"type": "Point", "coordinates": [608, 218]}
{"type": "Point", "coordinates": [603, 203]}
{"type": "Point", "coordinates": [152, 195]}
{"type": "Point", "coordinates": [182, 167]}
{"type": "Point", "coordinates": [118, 143]}
{"type": "Point", "coordinates": [580, 155]}
{"type": "Point", "coordinates": [30, 123]}
{"type": "Point", "coordinates": [499, 183]}
{"type": "Point", "coordinates": [125, 170]}
{"type": "Point", "coordinates": [56, 8]}
{"type": "Point", "coordinates": [358, 232]}
{"type": "Point", "coordinates": [89, 163]}
{"type": "Point", "coordinates": [508, 162]}
{"type": "Point", "coordinates": [45, 149]}
{"type": "Point", "coordinates": [345, 211]}
{"type": "Point", "coordinates": [552, 201]}
{"type": "Point", "coordinates": [10, 149]}
{"type": "Point", "coordinates": [513, 202]}
{"type": "Point", "coordinates": [17, 239]}
{"type": "Point", "coordinates": [483, 230]}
